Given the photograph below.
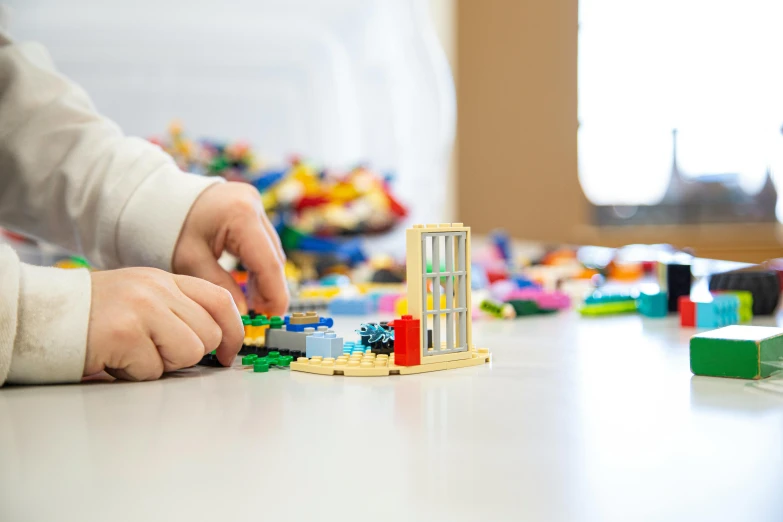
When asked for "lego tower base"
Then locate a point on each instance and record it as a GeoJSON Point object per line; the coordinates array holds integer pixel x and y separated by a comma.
{"type": "Point", "coordinates": [371, 365]}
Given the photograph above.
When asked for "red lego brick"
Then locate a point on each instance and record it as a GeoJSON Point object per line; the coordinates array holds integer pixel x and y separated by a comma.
{"type": "Point", "coordinates": [496, 274]}
{"type": "Point", "coordinates": [687, 309]}
{"type": "Point", "coordinates": [407, 341]}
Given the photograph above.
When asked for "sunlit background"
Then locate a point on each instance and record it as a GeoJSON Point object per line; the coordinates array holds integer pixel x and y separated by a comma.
{"type": "Point", "coordinates": [708, 70]}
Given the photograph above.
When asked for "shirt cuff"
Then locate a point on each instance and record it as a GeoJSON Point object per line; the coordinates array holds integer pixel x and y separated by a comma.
{"type": "Point", "coordinates": [150, 224]}
{"type": "Point", "coordinates": [53, 319]}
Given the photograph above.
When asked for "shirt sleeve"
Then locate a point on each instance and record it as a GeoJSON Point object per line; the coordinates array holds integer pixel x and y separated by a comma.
{"type": "Point", "coordinates": [69, 176]}
{"type": "Point", "coordinates": [44, 319]}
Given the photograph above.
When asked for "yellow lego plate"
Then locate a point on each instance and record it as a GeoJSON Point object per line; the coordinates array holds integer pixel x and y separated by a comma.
{"type": "Point", "coordinates": [371, 365]}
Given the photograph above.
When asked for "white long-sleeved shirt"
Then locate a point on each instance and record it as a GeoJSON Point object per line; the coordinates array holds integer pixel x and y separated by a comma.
{"type": "Point", "coordinates": [69, 176]}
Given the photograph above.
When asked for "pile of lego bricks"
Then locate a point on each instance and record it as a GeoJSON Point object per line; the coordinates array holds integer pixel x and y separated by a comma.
{"type": "Point", "coordinates": [286, 336]}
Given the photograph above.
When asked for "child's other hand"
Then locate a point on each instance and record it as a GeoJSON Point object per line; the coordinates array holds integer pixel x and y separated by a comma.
{"type": "Point", "coordinates": [231, 217]}
{"type": "Point", "coordinates": [145, 321]}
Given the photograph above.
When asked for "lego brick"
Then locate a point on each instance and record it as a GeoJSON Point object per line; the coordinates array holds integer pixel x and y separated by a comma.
{"type": "Point", "coordinates": [305, 304]}
{"type": "Point", "coordinates": [327, 322]}
{"type": "Point", "coordinates": [444, 357]}
{"type": "Point", "coordinates": [723, 310]}
{"type": "Point", "coordinates": [211, 360]}
{"type": "Point", "coordinates": [283, 338]}
{"type": "Point", "coordinates": [497, 310]}
{"type": "Point", "coordinates": [401, 304]}
{"type": "Point", "coordinates": [407, 341]}
{"type": "Point", "coordinates": [477, 358]}
{"type": "Point", "coordinates": [678, 283]}
{"type": "Point", "coordinates": [745, 304]}
{"type": "Point", "coordinates": [262, 364]}
{"type": "Point", "coordinates": [524, 307]}
{"type": "Point", "coordinates": [742, 352]}
{"type": "Point", "coordinates": [359, 305]}
{"type": "Point", "coordinates": [619, 307]}
{"type": "Point", "coordinates": [320, 292]}
{"type": "Point", "coordinates": [387, 303]}
{"type": "Point", "coordinates": [324, 344]}
{"type": "Point", "coordinates": [687, 309]}
{"type": "Point", "coordinates": [370, 365]}
{"type": "Point", "coordinates": [308, 318]}
{"type": "Point", "coordinates": [762, 284]}
{"type": "Point", "coordinates": [601, 297]}
{"type": "Point", "coordinates": [653, 304]}
{"type": "Point", "coordinates": [350, 347]}
{"type": "Point", "coordinates": [255, 328]}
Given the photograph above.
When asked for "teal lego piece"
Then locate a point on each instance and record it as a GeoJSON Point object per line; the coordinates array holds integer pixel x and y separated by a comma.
{"type": "Point", "coordinates": [351, 347]}
{"type": "Point", "coordinates": [324, 344]}
{"type": "Point", "coordinates": [602, 297]}
{"type": "Point", "coordinates": [723, 310]}
{"type": "Point", "coordinates": [653, 304]}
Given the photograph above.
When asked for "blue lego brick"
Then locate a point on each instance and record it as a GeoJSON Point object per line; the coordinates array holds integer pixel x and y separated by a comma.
{"type": "Point", "coordinates": [350, 347]}
{"type": "Point", "coordinates": [723, 310]}
{"type": "Point", "coordinates": [654, 304]}
{"type": "Point", "coordinates": [324, 344]}
{"type": "Point", "coordinates": [360, 305]}
{"type": "Point", "coordinates": [328, 322]}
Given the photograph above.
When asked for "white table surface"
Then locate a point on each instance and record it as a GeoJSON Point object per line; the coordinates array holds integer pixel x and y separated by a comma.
{"type": "Point", "coordinates": [595, 420]}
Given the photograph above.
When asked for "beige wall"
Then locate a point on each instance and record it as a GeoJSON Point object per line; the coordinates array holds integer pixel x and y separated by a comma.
{"type": "Point", "coordinates": [516, 138]}
{"type": "Point", "coordinates": [517, 125]}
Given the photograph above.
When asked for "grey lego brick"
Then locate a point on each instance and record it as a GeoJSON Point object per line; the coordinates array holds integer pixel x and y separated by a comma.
{"type": "Point", "coordinates": [277, 339]}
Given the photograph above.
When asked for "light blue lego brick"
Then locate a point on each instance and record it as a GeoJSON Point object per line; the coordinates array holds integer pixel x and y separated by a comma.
{"type": "Point", "coordinates": [723, 310]}
{"type": "Point", "coordinates": [324, 344]}
{"type": "Point", "coordinates": [361, 305]}
{"type": "Point", "coordinates": [654, 304]}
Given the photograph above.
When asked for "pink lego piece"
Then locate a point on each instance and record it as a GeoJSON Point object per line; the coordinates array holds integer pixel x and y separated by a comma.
{"type": "Point", "coordinates": [544, 300]}
{"type": "Point", "coordinates": [525, 294]}
{"type": "Point", "coordinates": [554, 301]}
{"type": "Point", "coordinates": [387, 302]}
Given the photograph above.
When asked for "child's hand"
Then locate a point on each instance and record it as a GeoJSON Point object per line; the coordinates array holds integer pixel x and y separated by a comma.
{"type": "Point", "coordinates": [145, 321]}
{"type": "Point", "coordinates": [231, 217]}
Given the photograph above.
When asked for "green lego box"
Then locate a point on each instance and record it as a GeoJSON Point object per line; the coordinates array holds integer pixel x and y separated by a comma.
{"type": "Point", "coordinates": [742, 352]}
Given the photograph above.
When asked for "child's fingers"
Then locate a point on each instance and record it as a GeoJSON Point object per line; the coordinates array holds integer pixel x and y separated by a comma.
{"type": "Point", "coordinates": [220, 305]}
{"type": "Point", "coordinates": [258, 252]}
{"type": "Point", "coordinates": [207, 267]}
{"type": "Point", "coordinates": [272, 233]}
{"type": "Point", "coordinates": [141, 362]}
{"type": "Point", "coordinates": [198, 320]}
{"type": "Point", "coordinates": [177, 343]}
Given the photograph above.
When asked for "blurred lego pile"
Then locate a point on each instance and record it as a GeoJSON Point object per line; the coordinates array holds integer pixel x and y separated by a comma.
{"type": "Point", "coordinates": [298, 197]}
{"type": "Point", "coordinates": [651, 280]}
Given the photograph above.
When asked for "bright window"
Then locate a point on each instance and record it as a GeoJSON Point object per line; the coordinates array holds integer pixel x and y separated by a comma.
{"type": "Point", "coordinates": [702, 77]}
